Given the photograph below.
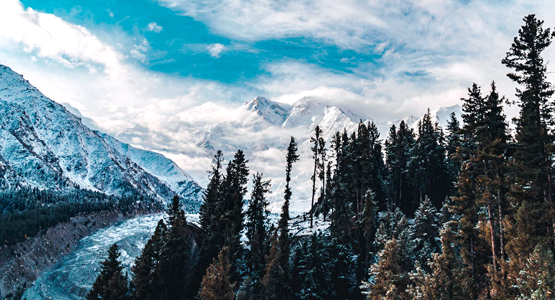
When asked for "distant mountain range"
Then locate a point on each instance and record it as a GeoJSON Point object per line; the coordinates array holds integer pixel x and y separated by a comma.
{"type": "Point", "coordinates": [47, 145]}
{"type": "Point", "coordinates": [44, 145]}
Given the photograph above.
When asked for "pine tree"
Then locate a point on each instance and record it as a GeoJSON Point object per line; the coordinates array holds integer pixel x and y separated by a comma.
{"type": "Point", "coordinates": [533, 157]}
{"type": "Point", "coordinates": [146, 264]}
{"type": "Point", "coordinates": [173, 276]}
{"type": "Point", "coordinates": [316, 141]}
{"type": "Point", "coordinates": [537, 279]}
{"type": "Point", "coordinates": [274, 274]}
{"type": "Point", "coordinates": [256, 225]}
{"type": "Point", "coordinates": [424, 232]}
{"type": "Point", "coordinates": [388, 280]}
{"type": "Point", "coordinates": [428, 163]}
{"type": "Point", "coordinates": [112, 282]}
{"type": "Point", "coordinates": [216, 284]}
{"type": "Point", "coordinates": [454, 142]}
{"type": "Point", "coordinates": [284, 242]}
{"type": "Point", "coordinates": [212, 194]}
{"type": "Point", "coordinates": [533, 153]}
{"type": "Point", "coordinates": [464, 211]}
{"type": "Point", "coordinates": [399, 147]}
{"type": "Point", "coordinates": [445, 280]}
{"type": "Point", "coordinates": [395, 225]}
{"type": "Point", "coordinates": [231, 209]}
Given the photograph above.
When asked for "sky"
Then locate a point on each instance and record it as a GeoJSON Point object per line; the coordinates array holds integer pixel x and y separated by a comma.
{"type": "Point", "coordinates": [143, 68]}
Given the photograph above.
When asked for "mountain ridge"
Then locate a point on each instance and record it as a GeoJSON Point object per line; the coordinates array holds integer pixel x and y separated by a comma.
{"type": "Point", "coordinates": [44, 145]}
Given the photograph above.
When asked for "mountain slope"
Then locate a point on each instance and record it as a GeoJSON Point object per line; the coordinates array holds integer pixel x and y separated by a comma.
{"type": "Point", "coordinates": [43, 145]}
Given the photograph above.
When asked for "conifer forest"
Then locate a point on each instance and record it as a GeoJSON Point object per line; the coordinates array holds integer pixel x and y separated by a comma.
{"type": "Point", "coordinates": [462, 212]}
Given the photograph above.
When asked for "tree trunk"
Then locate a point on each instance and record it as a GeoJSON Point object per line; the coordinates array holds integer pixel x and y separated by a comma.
{"type": "Point", "coordinates": [313, 193]}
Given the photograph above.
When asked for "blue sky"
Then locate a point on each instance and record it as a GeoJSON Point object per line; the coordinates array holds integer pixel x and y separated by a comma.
{"type": "Point", "coordinates": [180, 45]}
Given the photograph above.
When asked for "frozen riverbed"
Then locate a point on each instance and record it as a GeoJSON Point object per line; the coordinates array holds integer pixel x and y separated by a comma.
{"type": "Point", "coordinates": [73, 275]}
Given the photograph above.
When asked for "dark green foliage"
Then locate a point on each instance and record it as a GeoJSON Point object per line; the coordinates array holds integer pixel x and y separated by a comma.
{"type": "Point", "coordinates": [533, 153]}
{"type": "Point", "coordinates": [146, 265]}
{"type": "Point", "coordinates": [25, 212]}
{"type": "Point", "coordinates": [424, 232]}
{"type": "Point", "coordinates": [256, 227]}
{"type": "Point", "coordinates": [173, 274]}
{"type": "Point", "coordinates": [398, 148]}
{"type": "Point", "coordinates": [323, 269]}
{"type": "Point", "coordinates": [430, 174]}
{"type": "Point", "coordinates": [111, 283]}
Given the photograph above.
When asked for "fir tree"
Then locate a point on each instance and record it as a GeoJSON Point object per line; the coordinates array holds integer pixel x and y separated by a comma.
{"type": "Point", "coordinates": [256, 224]}
{"type": "Point", "coordinates": [212, 194]}
{"type": "Point", "coordinates": [445, 280]}
{"type": "Point", "coordinates": [395, 225]}
{"type": "Point", "coordinates": [283, 225]}
{"type": "Point", "coordinates": [316, 141]}
{"type": "Point", "coordinates": [533, 153]}
{"type": "Point", "coordinates": [274, 274]}
{"type": "Point", "coordinates": [146, 264]}
{"type": "Point", "coordinates": [173, 275]}
{"type": "Point", "coordinates": [216, 284]}
{"type": "Point", "coordinates": [231, 210]}
{"type": "Point", "coordinates": [112, 282]}
{"type": "Point", "coordinates": [454, 142]}
{"type": "Point", "coordinates": [398, 155]}
{"type": "Point", "coordinates": [388, 280]}
{"type": "Point", "coordinates": [424, 232]}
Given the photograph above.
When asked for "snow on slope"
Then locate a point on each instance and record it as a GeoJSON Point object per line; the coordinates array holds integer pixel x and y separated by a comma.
{"type": "Point", "coordinates": [42, 144]}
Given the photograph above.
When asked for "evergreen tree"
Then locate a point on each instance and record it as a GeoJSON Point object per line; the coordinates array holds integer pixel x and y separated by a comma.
{"type": "Point", "coordinates": [216, 284]}
{"type": "Point", "coordinates": [428, 163]}
{"type": "Point", "coordinates": [454, 142]}
{"type": "Point", "coordinates": [537, 279]}
{"type": "Point", "coordinates": [388, 280]}
{"type": "Point", "coordinates": [395, 225]}
{"type": "Point", "coordinates": [212, 194]}
{"type": "Point", "coordinates": [173, 276]}
{"type": "Point", "coordinates": [256, 225]}
{"type": "Point", "coordinates": [230, 211]}
{"type": "Point", "coordinates": [445, 280]}
{"type": "Point", "coordinates": [465, 219]}
{"type": "Point", "coordinates": [283, 225]}
{"type": "Point", "coordinates": [112, 282]}
{"type": "Point", "coordinates": [398, 155]}
{"type": "Point", "coordinates": [146, 264]}
{"type": "Point", "coordinates": [274, 275]}
{"type": "Point", "coordinates": [424, 232]}
{"type": "Point", "coordinates": [316, 141]}
{"type": "Point", "coordinates": [533, 153]}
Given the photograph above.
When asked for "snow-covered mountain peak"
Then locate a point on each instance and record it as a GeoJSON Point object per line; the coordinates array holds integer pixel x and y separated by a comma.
{"type": "Point", "coordinates": [271, 111]}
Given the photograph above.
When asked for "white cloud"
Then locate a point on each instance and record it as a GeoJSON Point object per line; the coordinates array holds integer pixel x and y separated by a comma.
{"type": "Point", "coordinates": [47, 36]}
{"type": "Point", "coordinates": [154, 27]}
{"type": "Point", "coordinates": [215, 50]}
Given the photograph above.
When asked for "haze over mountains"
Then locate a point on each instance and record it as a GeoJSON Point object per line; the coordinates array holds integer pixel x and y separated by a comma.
{"type": "Point", "coordinates": [62, 149]}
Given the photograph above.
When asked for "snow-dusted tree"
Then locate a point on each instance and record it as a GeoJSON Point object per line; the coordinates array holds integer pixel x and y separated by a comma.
{"type": "Point", "coordinates": [388, 280]}
{"type": "Point", "coordinates": [394, 224]}
{"type": "Point", "coordinates": [445, 278]}
{"type": "Point", "coordinates": [424, 232]}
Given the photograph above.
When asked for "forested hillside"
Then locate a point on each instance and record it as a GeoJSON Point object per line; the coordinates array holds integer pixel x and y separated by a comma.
{"type": "Point", "coordinates": [461, 213]}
